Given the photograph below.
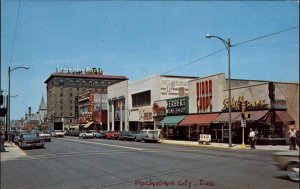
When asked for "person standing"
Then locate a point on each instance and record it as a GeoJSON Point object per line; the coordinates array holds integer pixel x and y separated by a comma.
{"type": "Point", "coordinates": [292, 137]}
{"type": "Point", "coordinates": [252, 138]}
{"type": "Point", "coordinates": [256, 136]}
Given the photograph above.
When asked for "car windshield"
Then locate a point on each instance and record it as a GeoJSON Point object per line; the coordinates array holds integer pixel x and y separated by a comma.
{"type": "Point", "coordinates": [153, 132]}
{"type": "Point", "coordinates": [29, 136]}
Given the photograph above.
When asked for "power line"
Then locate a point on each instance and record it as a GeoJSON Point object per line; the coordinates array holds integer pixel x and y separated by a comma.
{"type": "Point", "coordinates": [247, 41]}
{"type": "Point", "coordinates": [257, 38]}
{"type": "Point", "coordinates": [184, 65]}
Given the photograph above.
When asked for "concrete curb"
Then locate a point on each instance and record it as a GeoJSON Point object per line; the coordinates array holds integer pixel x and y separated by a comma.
{"type": "Point", "coordinates": [225, 146]}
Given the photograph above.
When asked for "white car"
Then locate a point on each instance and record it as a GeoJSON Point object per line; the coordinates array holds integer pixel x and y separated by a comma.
{"type": "Point", "coordinates": [84, 135]}
{"type": "Point", "coordinates": [57, 134]}
{"type": "Point", "coordinates": [45, 136]}
{"type": "Point", "coordinates": [147, 135]}
{"type": "Point", "coordinates": [289, 161]}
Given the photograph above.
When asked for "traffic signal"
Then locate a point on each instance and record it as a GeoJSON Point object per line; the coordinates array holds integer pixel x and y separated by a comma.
{"type": "Point", "coordinates": [1, 100]}
{"type": "Point", "coordinates": [3, 112]}
{"type": "Point", "coordinates": [245, 115]}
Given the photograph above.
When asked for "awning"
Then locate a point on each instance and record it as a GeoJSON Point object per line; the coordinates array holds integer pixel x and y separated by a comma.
{"type": "Point", "coordinates": [88, 124]}
{"type": "Point", "coordinates": [254, 115]}
{"type": "Point", "coordinates": [223, 117]}
{"type": "Point", "coordinates": [279, 116]}
{"type": "Point", "coordinates": [199, 119]}
{"type": "Point", "coordinates": [172, 120]}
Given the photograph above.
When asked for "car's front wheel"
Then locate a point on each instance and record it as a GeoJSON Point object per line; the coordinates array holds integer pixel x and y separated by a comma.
{"type": "Point", "coordinates": [293, 171]}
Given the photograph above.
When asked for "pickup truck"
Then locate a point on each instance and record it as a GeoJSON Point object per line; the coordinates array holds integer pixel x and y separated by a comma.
{"type": "Point", "coordinates": [147, 135]}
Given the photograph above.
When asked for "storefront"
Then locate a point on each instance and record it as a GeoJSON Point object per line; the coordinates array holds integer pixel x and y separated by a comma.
{"type": "Point", "coordinates": [195, 124]}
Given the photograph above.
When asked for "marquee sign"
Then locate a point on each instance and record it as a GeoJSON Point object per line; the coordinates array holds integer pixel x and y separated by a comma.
{"type": "Point", "coordinates": [71, 70]}
{"type": "Point", "coordinates": [178, 106]}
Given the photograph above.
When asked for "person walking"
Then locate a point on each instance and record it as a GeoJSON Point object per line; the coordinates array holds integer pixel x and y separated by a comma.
{"type": "Point", "coordinates": [292, 137]}
{"type": "Point", "coordinates": [252, 138]}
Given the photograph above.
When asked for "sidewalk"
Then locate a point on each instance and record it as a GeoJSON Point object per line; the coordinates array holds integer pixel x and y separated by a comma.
{"type": "Point", "coordinates": [226, 146]}
{"type": "Point", "coordinates": [12, 151]}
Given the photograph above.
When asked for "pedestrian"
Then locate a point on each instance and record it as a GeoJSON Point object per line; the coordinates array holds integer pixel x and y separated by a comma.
{"type": "Point", "coordinates": [161, 137]}
{"type": "Point", "coordinates": [256, 136]}
{"type": "Point", "coordinates": [292, 137]}
{"type": "Point", "coordinates": [252, 138]}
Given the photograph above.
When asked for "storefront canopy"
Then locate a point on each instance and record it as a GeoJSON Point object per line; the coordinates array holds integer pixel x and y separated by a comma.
{"type": "Point", "coordinates": [279, 116]}
{"type": "Point", "coordinates": [199, 119]}
{"type": "Point", "coordinates": [263, 116]}
{"type": "Point", "coordinates": [224, 117]}
{"type": "Point", "coordinates": [254, 115]}
{"type": "Point", "coordinates": [172, 120]}
{"type": "Point", "coordinates": [88, 124]}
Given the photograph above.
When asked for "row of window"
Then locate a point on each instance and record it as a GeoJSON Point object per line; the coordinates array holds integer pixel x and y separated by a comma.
{"type": "Point", "coordinates": [83, 82]}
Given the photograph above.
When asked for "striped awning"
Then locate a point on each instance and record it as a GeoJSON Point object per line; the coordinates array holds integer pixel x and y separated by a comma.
{"type": "Point", "coordinates": [88, 124]}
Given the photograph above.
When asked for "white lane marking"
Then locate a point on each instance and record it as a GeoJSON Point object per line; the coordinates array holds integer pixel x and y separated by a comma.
{"type": "Point", "coordinates": [117, 146]}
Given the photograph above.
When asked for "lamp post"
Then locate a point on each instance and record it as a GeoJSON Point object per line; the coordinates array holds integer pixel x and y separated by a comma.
{"type": "Point", "coordinates": [227, 45]}
{"type": "Point", "coordinates": [8, 96]}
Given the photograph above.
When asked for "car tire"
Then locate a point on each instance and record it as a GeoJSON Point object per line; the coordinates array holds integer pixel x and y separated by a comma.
{"type": "Point", "coordinates": [292, 171]}
{"type": "Point", "coordinates": [125, 139]}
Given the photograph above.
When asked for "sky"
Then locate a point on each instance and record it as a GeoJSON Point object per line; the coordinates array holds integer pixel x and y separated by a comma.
{"type": "Point", "coordinates": [138, 39]}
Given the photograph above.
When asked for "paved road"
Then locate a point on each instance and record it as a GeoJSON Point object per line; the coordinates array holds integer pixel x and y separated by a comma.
{"type": "Point", "coordinates": [71, 163]}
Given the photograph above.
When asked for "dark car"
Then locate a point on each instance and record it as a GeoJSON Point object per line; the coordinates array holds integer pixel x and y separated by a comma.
{"type": "Point", "coordinates": [99, 134]}
{"type": "Point", "coordinates": [30, 140]}
{"type": "Point", "coordinates": [112, 135]}
{"type": "Point", "coordinates": [126, 135]}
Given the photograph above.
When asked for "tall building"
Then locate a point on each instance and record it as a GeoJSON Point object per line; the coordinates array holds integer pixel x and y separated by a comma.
{"type": "Point", "coordinates": [66, 84]}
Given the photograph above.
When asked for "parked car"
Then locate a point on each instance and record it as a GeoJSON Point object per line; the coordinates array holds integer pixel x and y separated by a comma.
{"type": "Point", "coordinates": [288, 161]}
{"type": "Point", "coordinates": [30, 140]}
{"type": "Point", "coordinates": [99, 135]}
{"type": "Point", "coordinates": [112, 135]}
{"type": "Point", "coordinates": [46, 136]}
{"type": "Point", "coordinates": [86, 134]}
{"type": "Point", "coordinates": [147, 135]}
{"type": "Point", "coordinates": [126, 135]}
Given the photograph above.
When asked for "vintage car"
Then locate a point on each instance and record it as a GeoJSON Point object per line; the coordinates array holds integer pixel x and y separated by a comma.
{"type": "Point", "coordinates": [99, 134]}
{"type": "Point", "coordinates": [126, 135]}
{"type": "Point", "coordinates": [57, 133]}
{"type": "Point", "coordinates": [45, 136]}
{"type": "Point", "coordinates": [27, 140]}
{"type": "Point", "coordinates": [147, 135]}
{"type": "Point", "coordinates": [288, 161]}
{"type": "Point", "coordinates": [86, 134]}
{"type": "Point", "coordinates": [112, 135]}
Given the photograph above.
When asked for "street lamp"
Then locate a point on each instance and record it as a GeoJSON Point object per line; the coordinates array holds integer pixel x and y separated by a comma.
{"type": "Point", "coordinates": [8, 99]}
{"type": "Point", "coordinates": [227, 45]}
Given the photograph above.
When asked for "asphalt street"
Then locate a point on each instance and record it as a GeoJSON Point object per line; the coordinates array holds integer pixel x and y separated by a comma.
{"type": "Point", "coordinates": [74, 163]}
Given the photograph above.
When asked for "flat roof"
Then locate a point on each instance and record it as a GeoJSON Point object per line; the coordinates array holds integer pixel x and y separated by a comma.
{"type": "Point", "coordinates": [86, 76]}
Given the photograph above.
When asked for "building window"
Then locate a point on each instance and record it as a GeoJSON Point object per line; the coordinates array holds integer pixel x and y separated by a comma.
{"type": "Point", "coordinates": [141, 99]}
{"type": "Point", "coordinates": [61, 82]}
{"type": "Point", "coordinates": [71, 94]}
{"type": "Point", "coordinates": [96, 82]}
{"type": "Point", "coordinates": [61, 94]}
{"type": "Point", "coordinates": [71, 101]}
{"type": "Point", "coordinates": [77, 82]}
{"type": "Point", "coordinates": [90, 82]}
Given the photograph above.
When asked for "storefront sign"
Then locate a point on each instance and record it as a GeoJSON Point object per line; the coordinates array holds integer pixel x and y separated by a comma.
{"type": "Point", "coordinates": [145, 114]}
{"type": "Point", "coordinates": [205, 138]}
{"type": "Point", "coordinates": [158, 110]}
{"type": "Point", "coordinates": [250, 105]}
{"type": "Point", "coordinates": [204, 94]}
{"type": "Point", "coordinates": [177, 106]}
{"type": "Point", "coordinates": [174, 87]}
